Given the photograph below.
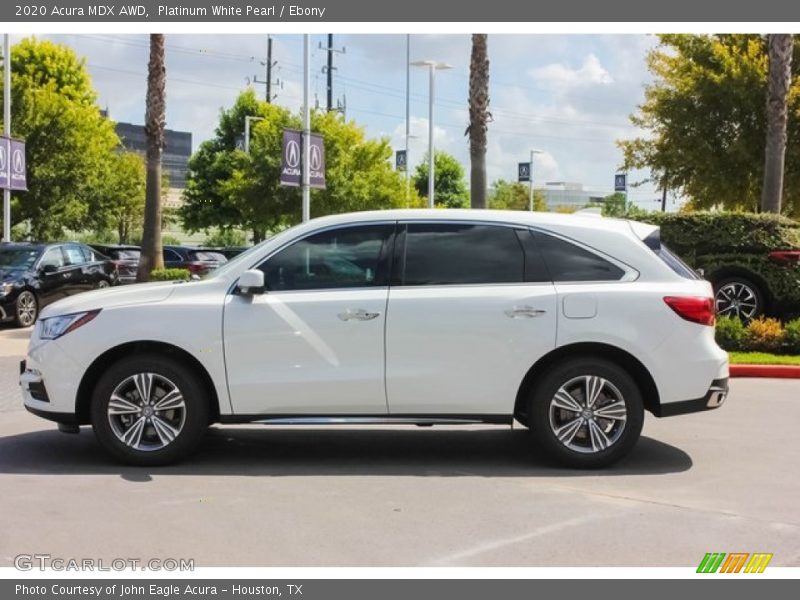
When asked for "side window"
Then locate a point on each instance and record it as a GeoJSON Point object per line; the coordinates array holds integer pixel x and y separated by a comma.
{"type": "Point", "coordinates": [451, 254]}
{"type": "Point", "coordinates": [74, 255]}
{"type": "Point", "coordinates": [171, 255]}
{"type": "Point", "coordinates": [340, 258]}
{"type": "Point", "coordinates": [568, 262]}
{"type": "Point", "coordinates": [53, 257]}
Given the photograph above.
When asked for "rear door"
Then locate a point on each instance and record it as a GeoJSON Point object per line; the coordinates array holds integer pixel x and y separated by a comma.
{"type": "Point", "coordinates": [471, 308]}
{"type": "Point", "coordinates": [54, 276]}
{"type": "Point", "coordinates": [77, 266]}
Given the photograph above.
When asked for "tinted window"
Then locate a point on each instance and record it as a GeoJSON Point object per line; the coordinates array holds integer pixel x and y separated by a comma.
{"type": "Point", "coordinates": [568, 262]}
{"type": "Point", "coordinates": [340, 258]}
{"type": "Point", "coordinates": [53, 257]}
{"type": "Point", "coordinates": [171, 255]}
{"type": "Point", "coordinates": [446, 254]}
{"type": "Point", "coordinates": [675, 263]}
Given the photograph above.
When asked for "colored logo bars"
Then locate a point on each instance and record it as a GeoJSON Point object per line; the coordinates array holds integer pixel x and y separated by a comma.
{"type": "Point", "coordinates": [735, 562]}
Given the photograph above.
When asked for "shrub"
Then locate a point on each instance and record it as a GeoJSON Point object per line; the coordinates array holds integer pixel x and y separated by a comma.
{"type": "Point", "coordinates": [791, 336]}
{"type": "Point", "coordinates": [730, 334]}
{"type": "Point", "coordinates": [764, 335]}
{"type": "Point", "coordinates": [702, 233]}
{"type": "Point", "coordinates": [169, 275]}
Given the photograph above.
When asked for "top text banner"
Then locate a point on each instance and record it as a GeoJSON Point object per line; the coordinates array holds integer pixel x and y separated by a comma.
{"type": "Point", "coordinates": [743, 11]}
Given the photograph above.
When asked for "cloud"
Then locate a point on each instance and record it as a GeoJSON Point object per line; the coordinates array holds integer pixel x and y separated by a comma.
{"type": "Point", "coordinates": [559, 75]}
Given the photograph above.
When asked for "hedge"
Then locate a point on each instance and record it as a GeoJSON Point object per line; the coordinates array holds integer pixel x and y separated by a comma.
{"type": "Point", "coordinates": [707, 233]}
{"type": "Point", "coordinates": [169, 275]}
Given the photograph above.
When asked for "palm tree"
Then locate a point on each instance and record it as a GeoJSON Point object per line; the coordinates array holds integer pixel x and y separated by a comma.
{"type": "Point", "coordinates": [154, 120]}
{"type": "Point", "coordinates": [779, 80]}
{"type": "Point", "coordinates": [479, 117]}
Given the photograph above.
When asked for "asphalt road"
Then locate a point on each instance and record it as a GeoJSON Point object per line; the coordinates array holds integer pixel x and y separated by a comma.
{"type": "Point", "coordinates": [722, 481]}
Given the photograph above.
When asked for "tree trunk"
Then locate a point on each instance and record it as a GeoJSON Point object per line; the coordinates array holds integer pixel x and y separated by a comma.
{"type": "Point", "coordinates": [779, 80]}
{"type": "Point", "coordinates": [151, 256]}
{"type": "Point", "coordinates": [479, 117]}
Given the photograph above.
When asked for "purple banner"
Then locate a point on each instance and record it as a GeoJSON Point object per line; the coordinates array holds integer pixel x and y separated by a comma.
{"type": "Point", "coordinates": [292, 159]}
{"type": "Point", "coordinates": [12, 164]}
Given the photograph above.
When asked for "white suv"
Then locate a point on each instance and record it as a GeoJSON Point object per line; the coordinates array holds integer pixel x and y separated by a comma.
{"type": "Point", "coordinates": [571, 325]}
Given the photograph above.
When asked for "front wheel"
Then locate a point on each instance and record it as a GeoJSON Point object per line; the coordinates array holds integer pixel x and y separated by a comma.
{"type": "Point", "coordinates": [102, 284]}
{"type": "Point", "coordinates": [26, 309]}
{"type": "Point", "coordinates": [586, 413]}
{"type": "Point", "coordinates": [149, 410]}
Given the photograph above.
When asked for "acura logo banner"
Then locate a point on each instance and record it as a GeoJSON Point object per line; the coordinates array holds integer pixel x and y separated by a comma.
{"type": "Point", "coordinates": [292, 159]}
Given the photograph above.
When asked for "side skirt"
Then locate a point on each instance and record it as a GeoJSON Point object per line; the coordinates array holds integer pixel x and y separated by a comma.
{"type": "Point", "coordinates": [367, 419]}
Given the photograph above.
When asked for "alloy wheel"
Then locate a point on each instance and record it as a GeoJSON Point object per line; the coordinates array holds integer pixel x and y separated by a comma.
{"type": "Point", "coordinates": [588, 414]}
{"type": "Point", "coordinates": [146, 411]}
{"type": "Point", "coordinates": [26, 309]}
{"type": "Point", "coordinates": [737, 299]}
{"type": "Point", "coordinates": [102, 284]}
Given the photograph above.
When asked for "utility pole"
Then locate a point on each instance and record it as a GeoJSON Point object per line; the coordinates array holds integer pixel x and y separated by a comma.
{"type": "Point", "coordinates": [7, 132]}
{"type": "Point", "coordinates": [328, 69]}
{"type": "Point", "coordinates": [664, 195]}
{"type": "Point", "coordinates": [408, 115]}
{"type": "Point", "coordinates": [268, 65]}
{"type": "Point", "coordinates": [306, 180]}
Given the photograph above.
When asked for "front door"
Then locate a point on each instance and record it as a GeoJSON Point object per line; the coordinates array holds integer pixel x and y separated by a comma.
{"type": "Point", "coordinates": [471, 310]}
{"type": "Point", "coordinates": [313, 343]}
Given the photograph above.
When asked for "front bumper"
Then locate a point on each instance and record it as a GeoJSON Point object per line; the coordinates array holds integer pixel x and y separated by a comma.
{"type": "Point", "coordinates": [713, 398]}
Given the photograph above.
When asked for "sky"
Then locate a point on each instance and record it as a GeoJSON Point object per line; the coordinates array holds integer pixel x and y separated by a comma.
{"type": "Point", "coordinates": [568, 96]}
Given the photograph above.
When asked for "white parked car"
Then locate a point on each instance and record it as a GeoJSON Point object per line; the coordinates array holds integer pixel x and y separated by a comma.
{"type": "Point", "coordinates": [571, 325]}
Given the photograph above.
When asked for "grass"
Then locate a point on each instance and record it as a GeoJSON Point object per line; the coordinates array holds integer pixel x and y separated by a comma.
{"type": "Point", "coordinates": [762, 358]}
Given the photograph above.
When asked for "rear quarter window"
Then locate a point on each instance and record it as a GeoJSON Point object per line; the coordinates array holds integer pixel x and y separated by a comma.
{"type": "Point", "coordinates": [569, 262]}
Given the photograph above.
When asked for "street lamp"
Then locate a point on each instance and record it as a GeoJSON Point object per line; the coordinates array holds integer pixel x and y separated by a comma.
{"type": "Point", "coordinates": [530, 180]}
{"type": "Point", "coordinates": [433, 66]}
{"type": "Point", "coordinates": [247, 121]}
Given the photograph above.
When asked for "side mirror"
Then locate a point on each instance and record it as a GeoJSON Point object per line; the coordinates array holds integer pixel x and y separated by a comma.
{"type": "Point", "coordinates": [251, 282]}
{"type": "Point", "coordinates": [701, 272]}
{"type": "Point", "coordinates": [49, 269]}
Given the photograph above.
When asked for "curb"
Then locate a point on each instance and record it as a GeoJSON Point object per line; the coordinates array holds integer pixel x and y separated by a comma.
{"type": "Point", "coordinates": [779, 371]}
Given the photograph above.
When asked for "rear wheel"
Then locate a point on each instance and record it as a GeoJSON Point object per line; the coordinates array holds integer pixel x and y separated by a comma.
{"type": "Point", "coordinates": [102, 284]}
{"type": "Point", "coordinates": [586, 413]}
{"type": "Point", "coordinates": [149, 410]}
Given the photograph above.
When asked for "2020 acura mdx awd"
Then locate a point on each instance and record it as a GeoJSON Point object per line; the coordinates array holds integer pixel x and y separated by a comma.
{"type": "Point", "coordinates": [572, 325]}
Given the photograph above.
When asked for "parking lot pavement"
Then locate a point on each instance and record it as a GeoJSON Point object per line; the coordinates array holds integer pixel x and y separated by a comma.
{"type": "Point", "coordinates": [722, 481]}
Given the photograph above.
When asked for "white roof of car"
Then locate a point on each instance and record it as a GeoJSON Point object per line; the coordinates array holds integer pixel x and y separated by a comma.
{"type": "Point", "coordinates": [543, 219]}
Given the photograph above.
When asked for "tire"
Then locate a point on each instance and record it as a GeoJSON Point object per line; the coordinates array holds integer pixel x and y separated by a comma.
{"type": "Point", "coordinates": [738, 297]}
{"type": "Point", "coordinates": [141, 434]}
{"type": "Point", "coordinates": [102, 284]}
{"type": "Point", "coordinates": [580, 445]}
{"type": "Point", "coordinates": [26, 309]}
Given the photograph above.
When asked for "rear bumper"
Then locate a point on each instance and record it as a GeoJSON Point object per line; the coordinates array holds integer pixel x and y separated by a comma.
{"type": "Point", "coordinates": [713, 398]}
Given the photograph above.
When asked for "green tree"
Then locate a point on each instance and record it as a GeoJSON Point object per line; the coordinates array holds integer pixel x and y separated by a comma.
{"type": "Point", "coordinates": [69, 144]}
{"type": "Point", "coordinates": [449, 186]}
{"type": "Point", "coordinates": [705, 116]}
{"type": "Point", "coordinates": [512, 195]}
{"type": "Point", "coordinates": [231, 189]}
{"type": "Point", "coordinates": [124, 195]}
{"type": "Point", "coordinates": [226, 238]}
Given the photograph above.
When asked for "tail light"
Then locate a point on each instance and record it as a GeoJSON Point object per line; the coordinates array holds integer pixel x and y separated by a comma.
{"type": "Point", "coordinates": [785, 257]}
{"type": "Point", "coordinates": [697, 309]}
{"type": "Point", "coordinates": [196, 267]}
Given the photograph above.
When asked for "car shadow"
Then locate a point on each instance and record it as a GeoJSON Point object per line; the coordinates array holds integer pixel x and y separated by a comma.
{"type": "Point", "coordinates": [293, 452]}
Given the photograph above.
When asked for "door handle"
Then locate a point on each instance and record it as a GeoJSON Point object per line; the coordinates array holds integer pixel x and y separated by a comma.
{"type": "Point", "coordinates": [524, 311]}
{"type": "Point", "coordinates": [358, 315]}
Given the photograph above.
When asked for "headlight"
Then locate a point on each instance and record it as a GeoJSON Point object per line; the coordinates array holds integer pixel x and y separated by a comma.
{"type": "Point", "coordinates": [6, 288]}
{"type": "Point", "coordinates": [54, 327]}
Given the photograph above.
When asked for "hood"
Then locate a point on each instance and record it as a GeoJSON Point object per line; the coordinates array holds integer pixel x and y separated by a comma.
{"type": "Point", "coordinates": [11, 275]}
{"type": "Point", "coordinates": [140, 293]}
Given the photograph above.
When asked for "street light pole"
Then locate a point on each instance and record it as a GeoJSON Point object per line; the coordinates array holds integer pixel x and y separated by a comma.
{"type": "Point", "coordinates": [7, 133]}
{"type": "Point", "coordinates": [433, 66]}
{"type": "Point", "coordinates": [530, 180]}
{"type": "Point", "coordinates": [408, 114]}
{"type": "Point", "coordinates": [306, 127]}
{"type": "Point", "coordinates": [247, 121]}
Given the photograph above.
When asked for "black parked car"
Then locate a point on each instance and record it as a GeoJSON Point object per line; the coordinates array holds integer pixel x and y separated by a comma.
{"type": "Point", "coordinates": [33, 275]}
{"type": "Point", "coordinates": [196, 260]}
{"type": "Point", "coordinates": [124, 256]}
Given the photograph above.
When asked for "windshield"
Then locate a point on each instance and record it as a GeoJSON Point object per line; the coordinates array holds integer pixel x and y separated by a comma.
{"type": "Point", "coordinates": [18, 258]}
{"type": "Point", "coordinates": [126, 254]}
